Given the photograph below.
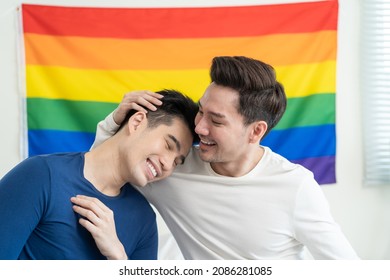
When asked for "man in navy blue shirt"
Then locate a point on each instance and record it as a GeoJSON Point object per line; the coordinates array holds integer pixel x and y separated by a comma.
{"type": "Point", "coordinates": [45, 207]}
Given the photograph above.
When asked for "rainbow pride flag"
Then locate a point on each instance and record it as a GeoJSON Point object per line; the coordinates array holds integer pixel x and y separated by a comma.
{"type": "Point", "coordinates": [80, 61]}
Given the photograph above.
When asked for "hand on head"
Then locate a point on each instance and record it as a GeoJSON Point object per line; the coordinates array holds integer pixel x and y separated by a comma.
{"type": "Point", "coordinates": [136, 100]}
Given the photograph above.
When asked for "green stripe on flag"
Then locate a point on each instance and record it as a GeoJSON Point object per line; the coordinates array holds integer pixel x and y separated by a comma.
{"type": "Point", "coordinates": [59, 114]}
{"type": "Point", "coordinates": [318, 109]}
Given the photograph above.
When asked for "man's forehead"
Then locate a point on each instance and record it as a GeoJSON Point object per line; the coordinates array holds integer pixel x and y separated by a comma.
{"type": "Point", "coordinates": [219, 108]}
{"type": "Point", "coordinates": [177, 130]}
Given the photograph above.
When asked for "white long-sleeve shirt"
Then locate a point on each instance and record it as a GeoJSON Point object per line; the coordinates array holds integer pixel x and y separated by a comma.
{"type": "Point", "coordinates": [270, 213]}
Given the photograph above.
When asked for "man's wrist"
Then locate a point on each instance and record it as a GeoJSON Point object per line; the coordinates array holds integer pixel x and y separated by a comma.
{"type": "Point", "coordinates": [119, 255]}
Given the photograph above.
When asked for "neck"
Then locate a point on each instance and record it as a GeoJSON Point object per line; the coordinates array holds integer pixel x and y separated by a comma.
{"type": "Point", "coordinates": [101, 169]}
{"type": "Point", "coordinates": [239, 167]}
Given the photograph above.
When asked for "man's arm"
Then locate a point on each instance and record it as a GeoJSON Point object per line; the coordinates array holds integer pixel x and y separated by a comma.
{"type": "Point", "coordinates": [315, 227]}
{"type": "Point", "coordinates": [23, 194]}
{"type": "Point", "coordinates": [135, 100]}
{"type": "Point", "coordinates": [105, 129]}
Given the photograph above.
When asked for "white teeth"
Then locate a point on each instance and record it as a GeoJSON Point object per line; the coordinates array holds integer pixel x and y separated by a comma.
{"type": "Point", "coordinates": [207, 143]}
{"type": "Point", "coordinates": [154, 172]}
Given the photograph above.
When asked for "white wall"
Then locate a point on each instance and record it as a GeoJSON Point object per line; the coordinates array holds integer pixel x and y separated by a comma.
{"type": "Point", "coordinates": [362, 212]}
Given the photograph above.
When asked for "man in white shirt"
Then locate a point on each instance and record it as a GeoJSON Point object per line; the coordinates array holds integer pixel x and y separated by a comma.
{"type": "Point", "coordinates": [234, 198]}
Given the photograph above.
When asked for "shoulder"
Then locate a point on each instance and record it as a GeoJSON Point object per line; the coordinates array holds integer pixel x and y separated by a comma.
{"type": "Point", "coordinates": [40, 166]}
{"type": "Point", "coordinates": [276, 164]}
{"type": "Point", "coordinates": [47, 159]}
{"type": "Point", "coordinates": [30, 165]}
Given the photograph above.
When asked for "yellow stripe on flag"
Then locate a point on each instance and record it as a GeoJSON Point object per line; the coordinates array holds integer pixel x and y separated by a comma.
{"type": "Point", "coordinates": [109, 86]}
{"type": "Point", "coordinates": [305, 79]}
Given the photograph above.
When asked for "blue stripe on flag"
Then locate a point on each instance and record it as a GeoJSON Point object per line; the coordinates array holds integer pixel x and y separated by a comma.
{"type": "Point", "coordinates": [303, 142]}
{"type": "Point", "coordinates": [53, 141]}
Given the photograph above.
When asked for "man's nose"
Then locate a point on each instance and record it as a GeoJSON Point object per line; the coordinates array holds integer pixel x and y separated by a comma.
{"type": "Point", "coordinates": [201, 127]}
{"type": "Point", "coordinates": [168, 162]}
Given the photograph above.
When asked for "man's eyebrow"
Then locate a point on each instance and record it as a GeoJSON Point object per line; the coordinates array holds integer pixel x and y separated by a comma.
{"type": "Point", "coordinates": [218, 115]}
{"type": "Point", "coordinates": [177, 143]}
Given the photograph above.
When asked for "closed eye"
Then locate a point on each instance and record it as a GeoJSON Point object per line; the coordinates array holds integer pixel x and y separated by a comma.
{"type": "Point", "coordinates": [174, 144]}
{"type": "Point", "coordinates": [168, 145]}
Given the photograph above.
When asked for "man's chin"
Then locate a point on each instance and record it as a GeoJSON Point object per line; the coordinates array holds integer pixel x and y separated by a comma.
{"type": "Point", "coordinates": [142, 183]}
{"type": "Point", "coordinates": [205, 157]}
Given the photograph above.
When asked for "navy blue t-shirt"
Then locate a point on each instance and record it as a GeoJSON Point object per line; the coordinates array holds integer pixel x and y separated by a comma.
{"type": "Point", "coordinates": [37, 220]}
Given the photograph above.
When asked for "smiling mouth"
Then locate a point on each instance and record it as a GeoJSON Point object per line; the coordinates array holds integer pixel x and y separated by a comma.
{"type": "Point", "coordinates": [151, 168]}
{"type": "Point", "coordinates": [207, 143]}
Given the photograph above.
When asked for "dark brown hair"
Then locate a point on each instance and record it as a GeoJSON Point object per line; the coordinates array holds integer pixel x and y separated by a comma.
{"type": "Point", "coordinates": [261, 96]}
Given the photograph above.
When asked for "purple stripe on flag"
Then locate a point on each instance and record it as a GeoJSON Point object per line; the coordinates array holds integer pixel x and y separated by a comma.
{"type": "Point", "coordinates": [322, 167]}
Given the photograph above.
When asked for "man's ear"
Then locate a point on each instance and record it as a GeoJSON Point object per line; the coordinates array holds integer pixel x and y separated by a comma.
{"type": "Point", "coordinates": [257, 132]}
{"type": "Point", "coordinates": [136, 121]}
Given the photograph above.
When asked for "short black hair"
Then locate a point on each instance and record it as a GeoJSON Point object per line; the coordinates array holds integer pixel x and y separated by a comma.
{"type": "Point", "coordinates": [174, 105]}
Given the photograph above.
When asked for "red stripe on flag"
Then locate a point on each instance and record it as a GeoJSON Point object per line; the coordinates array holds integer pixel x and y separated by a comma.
{"type": "Point", "coordinates": [202, 22]}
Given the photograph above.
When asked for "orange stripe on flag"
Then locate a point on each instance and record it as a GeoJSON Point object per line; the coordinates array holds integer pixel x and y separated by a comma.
{"type": "Point", "coordinates": [98, 53]}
